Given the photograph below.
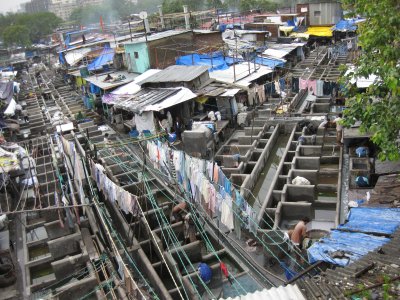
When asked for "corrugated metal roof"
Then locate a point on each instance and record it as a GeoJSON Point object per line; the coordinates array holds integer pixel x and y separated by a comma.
{"type": "Point", "coordinates": [176, 74]}
{"type": "Point", "coordinates": [289, 292]}
{"type": "Point", "coordinates": [155, 36]}
{"type": "Point", "coordinates": [98, 79]}
{"type": "Point", "coordinates": [244, 76]}
{"type": "Point", "coordinates": [150, 99]}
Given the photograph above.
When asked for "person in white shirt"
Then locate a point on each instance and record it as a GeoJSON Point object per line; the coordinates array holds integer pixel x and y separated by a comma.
{"type": "Point", "coordinates": [339, 129]}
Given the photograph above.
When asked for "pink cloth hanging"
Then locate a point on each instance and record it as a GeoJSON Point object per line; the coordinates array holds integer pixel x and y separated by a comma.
{"type": "Point", "coordinates": [312, 87]}
{"type": "Point", "coordinates": [303, 84]}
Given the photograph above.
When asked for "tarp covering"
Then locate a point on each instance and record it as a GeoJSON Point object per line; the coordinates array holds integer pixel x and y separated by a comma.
{"type": "Point", "coordinates": [6, 91]}
{"type": "Point", "coordinates": [373, 220]}
{"type": "Point", "coordinates": [106, 56]}
{"type": "Point", "coordinates": [320, 31]}
{"type": "Point", "coordinates": [215, 61]}
{"type": "Point", "coordinates": [270, 62]}
{"type": "Point", "coordinates": [74, 56]}
{"type": "Point", "coordinates": [276, 53]}
{"type": "Point", "coordinates": [345, 25]}
{"type": "Point", "coordinates": [353, 244]}
{"type": "Point", "coordinates": [10, 111]}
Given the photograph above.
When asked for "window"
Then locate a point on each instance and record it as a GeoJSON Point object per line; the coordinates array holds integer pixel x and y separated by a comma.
{"type": "Point", "coordinates": [317, 13]}
{"type": "Point", "coordinates": [136, 55]}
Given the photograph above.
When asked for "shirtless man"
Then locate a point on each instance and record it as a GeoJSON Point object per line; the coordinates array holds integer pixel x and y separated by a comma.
{"type": "Point", "coordinates": [299, 232]}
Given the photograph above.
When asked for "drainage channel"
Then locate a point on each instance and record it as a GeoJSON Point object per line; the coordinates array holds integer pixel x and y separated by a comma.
{"type": "Point", "coordinates": [267, 175]}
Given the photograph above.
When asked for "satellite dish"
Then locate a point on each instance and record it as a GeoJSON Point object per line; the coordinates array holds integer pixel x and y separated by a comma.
{"type": "Point", "coordinates": [143, 15]}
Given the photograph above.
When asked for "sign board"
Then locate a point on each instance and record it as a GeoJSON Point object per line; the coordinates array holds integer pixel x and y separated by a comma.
{"type": "Point", "coordinates": [304, 9]}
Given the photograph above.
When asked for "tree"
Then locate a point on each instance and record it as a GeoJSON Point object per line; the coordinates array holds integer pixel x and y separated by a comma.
{"type": "Point", "coordinates": [39, 25]}
{"type": "Point", "coordinates": [247, 5]}
{"type": "Point", "coordinates": [16, 35]}
{"type": "Point", "coordinates": [109, 10]}
{"type": "Point", "coordinates": [379, 106]}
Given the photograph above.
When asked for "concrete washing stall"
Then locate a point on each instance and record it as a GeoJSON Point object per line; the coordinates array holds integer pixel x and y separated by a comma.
{"type": "Point", "coordinates": [287, 203]}
{"type": "Point", "coordinates": [52, 251]}
{"type": "Point", "coordinates": [148, 245]}
{"type": "Point", "coordinates": [254, 146]}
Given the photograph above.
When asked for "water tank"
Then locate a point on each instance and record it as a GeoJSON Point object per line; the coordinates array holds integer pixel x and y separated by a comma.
{"type": "Point", "coordinates": [276, 242]}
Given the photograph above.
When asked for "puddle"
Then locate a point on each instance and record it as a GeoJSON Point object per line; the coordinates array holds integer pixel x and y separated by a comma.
{"type": "Point", "coordinates": [327, 179]}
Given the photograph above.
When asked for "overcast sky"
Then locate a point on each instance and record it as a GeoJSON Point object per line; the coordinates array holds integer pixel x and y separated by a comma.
{"type": "Point", "coordinates": [10, 5]}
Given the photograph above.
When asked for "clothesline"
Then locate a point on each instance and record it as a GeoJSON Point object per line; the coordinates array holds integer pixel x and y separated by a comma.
{"type": "Point", "coordinates": [205, 181]}
{"type": "Point", "coordinates": [113, 192]}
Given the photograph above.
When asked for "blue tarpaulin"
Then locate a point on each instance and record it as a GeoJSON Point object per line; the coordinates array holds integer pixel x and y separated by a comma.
{"type": "Point", "coordinates": [269, 62]}
{"type": "Point", "coordinates": [215, 61]}
{"type": "Point", "coordinates": [353, 244]}
{"type": "Point", "coordinates": [61, 58]}
{"type": "Point", "coordinates": [345, 25]}
{"type": "Point", "coordinates": [106, 56]}
{"type": "Point", "coordinates": [373, 220]}
{"type": "Point", "coordinates": [356, 242]}
{"type": "Point", "coordinates": [220, 62]}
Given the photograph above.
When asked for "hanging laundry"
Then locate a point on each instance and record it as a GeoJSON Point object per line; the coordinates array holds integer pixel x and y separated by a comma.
{"type": "Point", "coordinates": [312, 86]}
{"type": "Point", "coordinates": [319, 91]}
{"type": "Point", "coordinates": [227, 186]}
{"type": "Point", "coordinates": [227, 213]}
{"type": "Point", "coordinates": [251, 96]}
{"type": "Point", "coordinates": [277, 87]}
{"type": "Point", "coordinates": [303, 84]}
{"type": "Point", "coordinates": [269, 88]}
{"type": "Point", "coordinates": [282, 84]}
{"type": "Point", "coordinates": [295, 85]}
{"type": "Point", "coordinates": [261, 93]}
{"type": "Point", "coordinates": [216, 173]}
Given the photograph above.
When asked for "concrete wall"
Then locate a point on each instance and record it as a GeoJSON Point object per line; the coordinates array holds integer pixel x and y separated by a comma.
{"type": "Point", "coordinates": [64, 246]}
{"type": "Point", "coordinates": [269, 198]}
{"type": "Point", "coordinates": [298, 193]}
{"type": "Point", "coordinates": [324, 13]}
{"type": "Point", "coordinates": [69, 265]}
{"type": "Point", "coordinates": [140, 64]}
{"type": "Point", "coordinates": [162, 58]}
{"type": "Point", "coordinates": [54, 230]}
{"type": "Point", "coordinates": [77, 289]}
{"type": "Point", "coordinates": [202, 40]}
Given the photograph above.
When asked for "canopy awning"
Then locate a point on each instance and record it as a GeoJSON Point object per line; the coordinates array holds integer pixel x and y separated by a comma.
{"type": "Point", "coordinates": [320, 31]}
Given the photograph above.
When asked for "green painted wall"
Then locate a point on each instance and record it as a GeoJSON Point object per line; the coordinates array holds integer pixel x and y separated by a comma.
{"type": "Point", "coordinates": [139, 63]}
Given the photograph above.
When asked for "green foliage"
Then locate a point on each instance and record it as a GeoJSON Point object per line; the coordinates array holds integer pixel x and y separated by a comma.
{"type": "Point", "coordinates": [379, 106]}
{"type": "Point", "coordinates": [16, 35]}
{"type": "Point", "coordinates": [28, 27]}
{"type": "Point", "coordinates": [247, 5]}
